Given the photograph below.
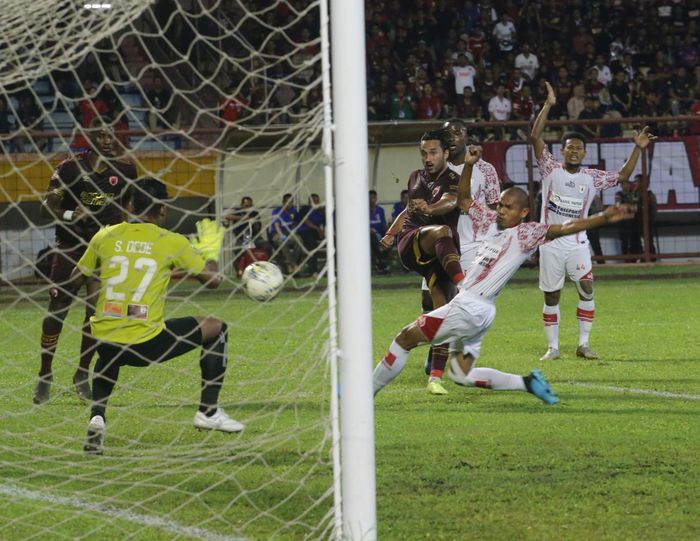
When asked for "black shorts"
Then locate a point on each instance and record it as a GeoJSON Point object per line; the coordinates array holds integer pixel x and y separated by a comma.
{"type": "Point", "coordinates": [179, 336]}
{"type": "Point", "coordinates": [413, 258]}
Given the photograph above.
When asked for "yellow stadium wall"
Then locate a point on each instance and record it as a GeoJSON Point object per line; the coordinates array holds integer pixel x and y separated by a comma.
{"type": "Point", "coordinates": [25, 177]}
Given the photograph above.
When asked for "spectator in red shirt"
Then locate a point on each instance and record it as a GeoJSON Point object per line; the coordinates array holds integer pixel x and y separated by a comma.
{"type": "Point", "coordinates": [233, 108]}
{"type": "Point", "coordinates": [429, 106]}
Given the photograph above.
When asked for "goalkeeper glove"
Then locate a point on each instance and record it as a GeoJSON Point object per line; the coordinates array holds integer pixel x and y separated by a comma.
{"type": "Point", "coordinates": [210, 236]}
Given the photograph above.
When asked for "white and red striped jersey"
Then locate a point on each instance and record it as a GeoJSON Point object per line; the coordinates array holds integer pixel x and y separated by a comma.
{"type": "Point", "coordinates": [486, 189]}
{"type": "Point", "coordinates": [500, 253]}
{"type": "Point", "coordinates": [567, 196]}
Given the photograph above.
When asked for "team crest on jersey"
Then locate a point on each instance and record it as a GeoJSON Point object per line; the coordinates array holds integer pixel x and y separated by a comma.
{"type": "Point", "coordinates": [581, 188]}
{"type": "Point", "coordinates": [113, 181]}
{"type": "Point", "coordinates": [436, 191]}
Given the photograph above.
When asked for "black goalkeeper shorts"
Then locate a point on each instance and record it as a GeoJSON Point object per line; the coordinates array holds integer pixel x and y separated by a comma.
{"type": "Point", "coordinates": [179, 336]}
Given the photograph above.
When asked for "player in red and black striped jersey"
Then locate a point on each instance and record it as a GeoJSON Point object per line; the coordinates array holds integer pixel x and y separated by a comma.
{"type": "Point", "coordinates": [429, 242]}
{"type": "Point", "coordinates": [85, 192]}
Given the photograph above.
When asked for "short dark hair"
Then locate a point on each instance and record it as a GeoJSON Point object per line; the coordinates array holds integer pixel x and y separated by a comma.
{"type": "Point", "coordinates": [248, 198]}
{"type": "Point", "coordinates": [404, 192]}
{"type": "Point", "coordinates": [286, 197]}
{"type": "Point", "coordinates": [437, 135]}
{"type": "Point", "coordinates": [148, 195]}
{"type": "Point", "coordinates": [573, 135]}
{"type": "Point", "coordinates": [373, 192]}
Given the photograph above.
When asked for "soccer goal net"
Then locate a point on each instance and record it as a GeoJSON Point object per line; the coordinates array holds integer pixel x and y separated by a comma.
{"type": "Point", "coordinates": [223, 101]}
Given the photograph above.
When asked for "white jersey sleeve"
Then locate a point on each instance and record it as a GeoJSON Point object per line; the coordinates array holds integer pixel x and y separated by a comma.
{"type": "Point", "coordinates": [531, 235]}
{"type": "Point", "coordinates": [602, 180]}
{"type": "Point", "coordinates": [481, 217]}
{"type": "Point", "coordinates": [547, 163]}
{"type": "Point", "coordinates": [491, 187]}
{"type": "Point", "coordinates": [485, 190]}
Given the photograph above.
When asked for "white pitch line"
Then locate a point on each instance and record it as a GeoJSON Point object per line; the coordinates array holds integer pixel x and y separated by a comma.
{"type": "Point", "coordinates": [138, 518]}
{"type": "Point", "coordinates": [662, 394]}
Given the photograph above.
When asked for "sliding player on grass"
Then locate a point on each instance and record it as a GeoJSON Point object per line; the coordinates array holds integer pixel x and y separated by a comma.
{"type": "Point", "coordinates": [567, 192]}
{"type": "Point", "coordinates": [485, 188]}
{"type": "Point", "coordinates": [464, 321]}
{"type": "Point", "coordinates": [134, 261]}
{"type": "Point", "coordinates": [428, 243]}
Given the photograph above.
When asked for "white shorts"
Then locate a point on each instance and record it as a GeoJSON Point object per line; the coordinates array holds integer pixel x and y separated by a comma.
{"type": "Point", "coordinates": [462, 323]}
{"type": "Point", "coordinates": [555, 263]}
{"type": "Point", "coordinates": [467, 257]}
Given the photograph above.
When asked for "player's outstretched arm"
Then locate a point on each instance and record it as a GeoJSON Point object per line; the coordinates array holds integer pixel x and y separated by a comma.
{"type": "Point", "coordinates": [387, 241]}
{"type": "Point", "coordinates": [610, 215]}
{"type": "Point", "coordinates": [541, 122]}
{"type": "Point", "coordinates": [641, 141]}
{"type": "Point", "coordinates": [464, 189]}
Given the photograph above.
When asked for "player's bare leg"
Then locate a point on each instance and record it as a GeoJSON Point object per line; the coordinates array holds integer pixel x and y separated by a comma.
{"type": "Point", "coordinates": [551, 318]}
{"type": "Point", "coordinates": [585, 313]}
{"type": "Point", "coordinates": [51, 328]}
{"type": "Point", "coordinates": [395, 359]}
{"type": "Point", "coordinates": [441, 293]}
{"type": "Point", "coordinates": [436, 240]}
{"type": "Point", "coordinates": [463, 372]}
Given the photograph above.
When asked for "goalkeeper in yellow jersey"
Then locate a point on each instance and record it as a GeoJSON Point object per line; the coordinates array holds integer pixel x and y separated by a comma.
{"type": "Point", "coordinates": [134, 261]}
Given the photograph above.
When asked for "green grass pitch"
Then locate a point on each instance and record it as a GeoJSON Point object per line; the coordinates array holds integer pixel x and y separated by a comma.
{"type": "Point", "coordinates": [616, 459]}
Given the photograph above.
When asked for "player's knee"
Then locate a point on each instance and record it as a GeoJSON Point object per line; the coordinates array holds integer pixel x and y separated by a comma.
{"type": "Point", "coordinates": [585, 290]}
{"type": "Point", "coordinates": [443, 231]}
{"type": "Point", "coordinates": [551, 298]}
{"type": "Point", "coordinates": [211, 328]}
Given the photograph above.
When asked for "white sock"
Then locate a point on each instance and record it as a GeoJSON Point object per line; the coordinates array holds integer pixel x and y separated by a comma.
{"type": "Point", "coordinates": [585, 313]}
{"type": "Point", "coordinates": [550, 316]}
{"type": "Point", "coordinates": [496, 380]}
{"type": "Point", "coordinates": [389, 367]}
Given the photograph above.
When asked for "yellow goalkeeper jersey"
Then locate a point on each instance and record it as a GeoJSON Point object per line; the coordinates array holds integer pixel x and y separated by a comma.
{"type": "Point", "coordinates": [134, 262]}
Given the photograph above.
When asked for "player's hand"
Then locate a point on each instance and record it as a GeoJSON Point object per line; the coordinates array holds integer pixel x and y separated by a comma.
{"type": "Point", "coordinates": [618, 213]}
{"type": "Point", "coordinates": [643, 138]}
{"type": "Point", "coordinates": [473, 154]}
{"type": "Point", "coordinates": [418, 205]}
{"type": "Point", "coordinates": [80, 213]}
{"type": "Point", "coordinates": [387, 241]}
{"type": "Point", "coordinates": [551, 96]}
{"type": "Point", "coordinates": [210, 236]}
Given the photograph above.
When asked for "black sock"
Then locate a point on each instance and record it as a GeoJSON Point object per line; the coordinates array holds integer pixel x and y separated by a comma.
{"type": "Point", "coordinates": [528, 382]}
{"type": "Point", "coordinates": [213, 365]}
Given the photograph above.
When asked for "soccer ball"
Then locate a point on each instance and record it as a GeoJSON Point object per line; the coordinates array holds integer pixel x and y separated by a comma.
{"type": "Point", "coordinates": [262, 280]}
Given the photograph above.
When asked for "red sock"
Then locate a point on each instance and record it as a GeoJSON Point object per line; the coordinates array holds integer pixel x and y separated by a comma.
{"type": "Point", "coordinates": [447, 254]}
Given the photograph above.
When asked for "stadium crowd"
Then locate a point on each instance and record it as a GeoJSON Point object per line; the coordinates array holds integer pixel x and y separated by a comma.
{"type": "Point", "coordinates": [426, 59]}
{"type": "Point", "coordinates": [488, 60]}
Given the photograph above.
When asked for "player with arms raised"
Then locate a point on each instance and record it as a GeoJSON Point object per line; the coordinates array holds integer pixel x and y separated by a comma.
{"type": "Point", "coordinates": [134, 262]}
{"type": "Point", "coordinates": [568, 190]}
{"type": "Point", "coordinates": [464, 321]}
{"type": "Point", "coordinates": [85, 193]}
{"type": "Point", "coordinates": [428, 240]}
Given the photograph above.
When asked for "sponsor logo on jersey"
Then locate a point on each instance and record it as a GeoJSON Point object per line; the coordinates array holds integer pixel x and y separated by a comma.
{"type": "Point", "coordinates": [568, 207]}
{"type": "Point", "coordinates": [570, 184]}
{"type": "Point", "coordinates": [137, 311]}
{"type": "Point", "coordinates": [95, 199]}
{"type": "Point", "coordinates": [112, 309]}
